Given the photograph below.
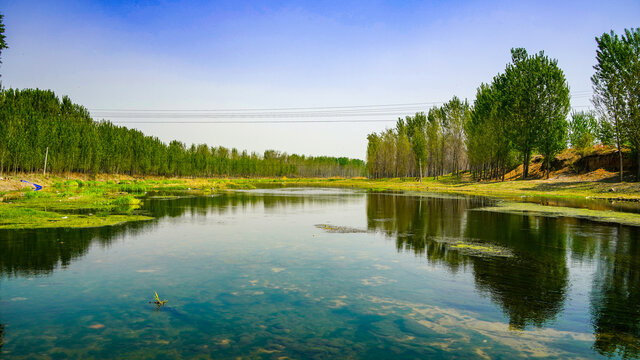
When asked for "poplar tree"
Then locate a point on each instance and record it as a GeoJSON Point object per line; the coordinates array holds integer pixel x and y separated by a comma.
{"type": "Point", "coordinates": [534, 99]}
{"type": "Point", "coordinates": [3, 38]}
{"type": "Point", "coordinates": [608, 87]}
{"type": "Point", "coordinates": [553, 90]}
{"type": "Point", "coordinates": [631, 81]}
{"type": "Point", "coordinates": [416, 127]}
{"type": "Point", "coordinates": [583, 129]}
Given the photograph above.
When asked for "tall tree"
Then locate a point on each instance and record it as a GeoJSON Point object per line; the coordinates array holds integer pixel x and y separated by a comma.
{"type": "Point", "coordinates": [608, 87]}
{"type": "Point", "coordinates": [435, 140]}
{"type": "Point", "coordinates": [416, 127]}
{"type": "Point", "coordinates": [517, 103]}
{"type": "Point", "coordinates": [535, 101]}
{"type": "Point", "coordinates": [488, 144]}
{"type": "Point", "coordinates": [554, 91]}
{"type": "Point", "coordinates": [457, 113]}
{"type": "Point", "coordinates": [631, 83]}
{"type": "Point", "coordinates": [583, 129]}
{"type": "Point", "coordinates": [3, 38]}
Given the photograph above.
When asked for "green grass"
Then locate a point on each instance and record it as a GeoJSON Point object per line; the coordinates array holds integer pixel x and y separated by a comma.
{"type": "Point", "coordinates": [64, 205]}
{"type": "Point", "coordinates": [115, 201]}
{"type": "Point", "coordinates": [25, 218]}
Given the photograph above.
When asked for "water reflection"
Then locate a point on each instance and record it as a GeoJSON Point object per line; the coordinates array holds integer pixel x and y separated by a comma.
{"type": "Point", "coordinates": [531, 286]}
{"type": "Point", "coordinates": [615, 298]}
{"type": "Point", "coordinates": [42, 251]}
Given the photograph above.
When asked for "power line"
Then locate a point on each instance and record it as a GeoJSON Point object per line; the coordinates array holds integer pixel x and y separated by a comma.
{"type": "Point", "coordinates": [255, 115]}
{"type": "Point", "coordinates": [274, 115]}
{"type": "Point", "coordinates": [372, 107]}
{"type": "Point", "coordinates": [282, 108]}
{"type": "Point", "coordinates": [252, 121]}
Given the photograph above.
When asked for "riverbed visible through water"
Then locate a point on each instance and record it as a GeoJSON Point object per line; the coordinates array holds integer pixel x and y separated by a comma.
{"type": "Point", "coordinates": [322, 273]}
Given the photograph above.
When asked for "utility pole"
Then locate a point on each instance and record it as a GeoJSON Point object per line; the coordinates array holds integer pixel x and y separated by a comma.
{"type": "Point", "coordinates": [46, 155]}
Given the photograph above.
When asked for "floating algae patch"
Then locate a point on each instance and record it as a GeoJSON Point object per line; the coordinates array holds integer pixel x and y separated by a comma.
{"type": "Point", "coordinates": [474, 247]}
{"type": "Point", "coordinates": [615, 217]}
{"type": "Point", "coordinates": [340, 229]}
{"type": "Point", "coordinates": [167, 197]}
{"type": "Point", "coordinates": [482, 249]}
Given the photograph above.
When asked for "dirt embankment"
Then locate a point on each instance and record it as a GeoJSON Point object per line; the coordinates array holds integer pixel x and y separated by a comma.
{"type": "Point", "coordinates": [599, 163]}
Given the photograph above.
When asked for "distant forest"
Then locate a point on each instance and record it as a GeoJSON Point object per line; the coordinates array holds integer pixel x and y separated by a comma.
{"type": "Point", "coordinates": [521, 112]}
{"type": "Point", "coordinates": [33, 120]}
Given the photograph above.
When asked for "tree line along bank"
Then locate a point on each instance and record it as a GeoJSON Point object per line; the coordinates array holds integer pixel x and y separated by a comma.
{"type": "Point", "coordinates": [522, 111]}
{"type": "Point", "coordinates": [32, 121]}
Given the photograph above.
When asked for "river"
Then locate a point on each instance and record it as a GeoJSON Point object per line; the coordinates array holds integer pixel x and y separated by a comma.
{"type": "Point", "coordinates": [322, 273]}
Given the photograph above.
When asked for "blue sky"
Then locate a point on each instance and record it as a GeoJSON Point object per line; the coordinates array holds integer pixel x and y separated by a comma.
{"type": "Point", "coordinates": [272, 54]}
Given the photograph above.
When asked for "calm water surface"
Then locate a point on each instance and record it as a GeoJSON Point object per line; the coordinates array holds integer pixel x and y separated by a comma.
{"type": "Point", "coordinates": [249, 274]}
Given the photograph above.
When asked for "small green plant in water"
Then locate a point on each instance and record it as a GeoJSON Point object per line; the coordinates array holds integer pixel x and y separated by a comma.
{"type": "Point", "coordinates": [157, 300]}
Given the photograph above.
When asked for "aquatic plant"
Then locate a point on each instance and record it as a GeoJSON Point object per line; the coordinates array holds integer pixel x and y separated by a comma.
{"type": "Point", "coordinates": [339, 229]}
{"type": "Point", "coordinates": [157, 300]}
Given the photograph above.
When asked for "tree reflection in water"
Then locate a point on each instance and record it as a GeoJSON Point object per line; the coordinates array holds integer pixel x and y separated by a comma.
{"type": "Point", "coordinates": [42, 251]}
{"type": "Point", "coordinates": [531, 286]}
{"type": "Point", "coordinates": [615, 298]}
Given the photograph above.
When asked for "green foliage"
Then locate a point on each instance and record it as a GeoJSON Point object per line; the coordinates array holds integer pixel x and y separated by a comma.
{"type": "Point", "coordinates": [32, 120]}
{"type": "Point", "coordinates": [424, 144]}
{"type": "Point", "coordinates": [132, 188]}
{"type": "Point", "coordinates": [534, 100]}
{"type": "Point", "coordinates": [583, 129]}
{"type": "Point", "coordinates": [489, 149]}
{"type": "Point", "coordinates": [3, 38]}
{"type": "Point", "coordinates": [34, 194]}
{"type": "Point", "coordinates": [416, 127]}
{"type": "Point", "coordinates": [605, 132]}
{"type": "Point", "coordinates": [616, 85]}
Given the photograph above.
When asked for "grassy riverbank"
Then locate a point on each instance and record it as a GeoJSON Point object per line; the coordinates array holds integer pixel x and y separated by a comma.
{"type": "Point", "coordinates": [70, 203]}
{"type": "Point", "coordinates": [75, 202]}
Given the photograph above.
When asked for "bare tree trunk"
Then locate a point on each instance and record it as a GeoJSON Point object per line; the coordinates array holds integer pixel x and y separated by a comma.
{"type": "Point", "coordinates": [620, 157]}
{"type": "Point", "coordinates": [618, 144]}
{"type": "Point", "coordinates": [525, 165]}
{"type": "Point", "coordinates": [548, 169]}
{"type": "Point", "coordinates": [638, 164]}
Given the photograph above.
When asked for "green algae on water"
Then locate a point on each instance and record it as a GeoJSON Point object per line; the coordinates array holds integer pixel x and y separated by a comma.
{"type": "Point", "coordinates": [36, 219]}
{"type": "Point", "coordinates": [616, 217]}
{"type": "Point", "coordinates": [340, 229]}
{"type": "Point", "coordinates": [482, 249]}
